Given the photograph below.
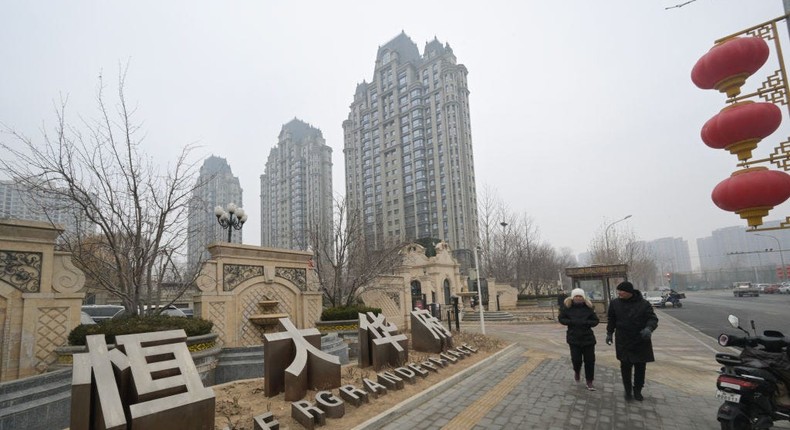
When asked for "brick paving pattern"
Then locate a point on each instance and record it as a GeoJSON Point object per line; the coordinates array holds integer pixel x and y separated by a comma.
{"type": "Point", "coordinates": [530, 386]}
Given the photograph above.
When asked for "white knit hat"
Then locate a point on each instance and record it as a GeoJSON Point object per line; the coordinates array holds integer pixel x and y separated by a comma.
{"type": "Point", "coordinates": [578, 292]}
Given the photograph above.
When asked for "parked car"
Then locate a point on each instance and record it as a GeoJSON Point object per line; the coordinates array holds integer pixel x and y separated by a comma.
{"type": "Point", "coordinates": [771, 289]}
{"type": "Point", "coordinates": [86, 319]}
{"type": "Point", "coordinates": [101, 313]}
{"type": "Point", "coordinates": [784, 289]}
{"type": "Point", "coordinates": [169, 311]}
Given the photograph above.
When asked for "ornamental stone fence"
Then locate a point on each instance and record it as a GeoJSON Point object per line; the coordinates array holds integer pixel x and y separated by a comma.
{"type": "Point", "coordinates": [39, 297]}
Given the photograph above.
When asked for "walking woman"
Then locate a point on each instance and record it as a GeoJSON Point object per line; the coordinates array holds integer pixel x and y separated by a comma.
{"type": "Point", "coordinates": [578, 314]}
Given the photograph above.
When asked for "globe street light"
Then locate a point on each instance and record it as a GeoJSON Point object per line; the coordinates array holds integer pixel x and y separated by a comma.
{"type": "Point", "coordinates": [606, 233]}
{"type": "Point", "coordinates": [230, 218]}
{"type": "Point", "coordinates": [781, 255]}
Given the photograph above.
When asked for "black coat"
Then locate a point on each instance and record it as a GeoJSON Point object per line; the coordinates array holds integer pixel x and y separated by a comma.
{"type": "Point", "coordinates": [580, 319]}
{"type": "Point", "coordinates": [627, 318]}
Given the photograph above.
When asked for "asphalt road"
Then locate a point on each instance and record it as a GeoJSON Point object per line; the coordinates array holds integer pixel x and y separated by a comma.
{"type": "Point", "coordinates": [707, 311]}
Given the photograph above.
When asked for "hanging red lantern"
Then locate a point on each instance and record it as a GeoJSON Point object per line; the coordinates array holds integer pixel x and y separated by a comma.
{"type": "Point", "coordinates": [727, 65]}
{"type": "Point", "coordinates": [752, 192]}
{"type": "Point", "coordinates": [738, 128]}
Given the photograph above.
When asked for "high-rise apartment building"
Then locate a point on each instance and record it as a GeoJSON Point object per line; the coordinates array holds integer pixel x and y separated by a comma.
{"type": "Point", "coordinates": [296, 188]}
{"type": "Point", "coordinates": [18, 202]}
{"type": "Point", "coordinates": [216, 187]}
{"type": "Point", "coordinates": [670, 254]}
{"type": "Point", "coordinates": [735, 247]}
{"type": "Point", "coordinates": [408, 148]}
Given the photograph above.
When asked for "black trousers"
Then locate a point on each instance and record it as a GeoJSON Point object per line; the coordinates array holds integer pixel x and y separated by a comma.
{"type": "Point", "coordinates": [587, 354]}
{"type": "Point", "coordinates": [639, 375]}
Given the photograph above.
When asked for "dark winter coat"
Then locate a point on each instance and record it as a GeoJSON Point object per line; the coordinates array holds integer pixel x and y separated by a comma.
{"type": "Point", "coordinates": [627, 318]}
{"type": "Point", "coordinates": [580, 319]}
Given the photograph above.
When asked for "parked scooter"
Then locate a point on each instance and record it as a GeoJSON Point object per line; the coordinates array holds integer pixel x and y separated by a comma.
{"type": "Point", "coordinates": [754, 384]}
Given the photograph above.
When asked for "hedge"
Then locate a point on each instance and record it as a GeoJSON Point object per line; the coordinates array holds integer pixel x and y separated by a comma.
{"type": "Point", "coordinates": [139, 324]}
{"type": "Point", "coordinates": [346, 313]}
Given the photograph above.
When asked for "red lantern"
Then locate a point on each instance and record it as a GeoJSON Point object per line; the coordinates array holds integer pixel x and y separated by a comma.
{"type": "Point", "coordinates": [752, 192]}
{"type": "Point", "coordinates": [727, 65]}
{"type": "Point", "coordinates": [740, 127]}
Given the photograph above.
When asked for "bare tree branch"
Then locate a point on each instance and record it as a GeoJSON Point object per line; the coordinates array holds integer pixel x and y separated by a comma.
{"type": "Point", "coordinates": [345, 266]}
{"type": "Point", "coordinates": [130, 216]}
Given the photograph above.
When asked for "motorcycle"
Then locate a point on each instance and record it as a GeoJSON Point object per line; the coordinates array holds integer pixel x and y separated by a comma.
{"type": "Point", "coordinates": [673, 298]}
{"type": "Point", "coordinates": [753, 384]}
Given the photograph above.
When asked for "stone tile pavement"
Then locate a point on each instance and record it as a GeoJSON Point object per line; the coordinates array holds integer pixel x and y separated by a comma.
{"type": "Point", "coordinates": [530, 385]}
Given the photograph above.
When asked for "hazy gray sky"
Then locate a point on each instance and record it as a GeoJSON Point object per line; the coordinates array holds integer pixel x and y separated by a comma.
{"type": "Point", "coordinates": [582, 111]}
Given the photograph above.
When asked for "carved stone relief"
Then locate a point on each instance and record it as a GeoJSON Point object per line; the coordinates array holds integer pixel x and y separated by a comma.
{"type": "Point", "coordinates": [297, 276]}
{"type": "Point", "coordinates": [21, 270]}
{"type": "Point", "coordinates": [235, 274]}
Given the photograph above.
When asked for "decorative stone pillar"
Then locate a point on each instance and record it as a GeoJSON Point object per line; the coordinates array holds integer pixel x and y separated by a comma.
{"type": "Point", "coordinates": [39, 297]}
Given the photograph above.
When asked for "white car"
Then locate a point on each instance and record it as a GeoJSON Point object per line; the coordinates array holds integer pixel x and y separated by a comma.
{"type": "Point", "coordinates": [654, 298]}
{"type": "Point", "coordinates": [86, 319]}
{"type": "Point", "coordinates": [784, 289]}
{"type": "Point", "coordinates": [171, 311]}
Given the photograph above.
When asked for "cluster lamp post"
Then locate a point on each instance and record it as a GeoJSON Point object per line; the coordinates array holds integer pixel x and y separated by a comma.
{"type": "Point", "coordinates": [230, 218]}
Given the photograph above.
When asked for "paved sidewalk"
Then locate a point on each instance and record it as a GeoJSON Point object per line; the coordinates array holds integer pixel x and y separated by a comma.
{"type": "Point", "coordinates": [530, 385]}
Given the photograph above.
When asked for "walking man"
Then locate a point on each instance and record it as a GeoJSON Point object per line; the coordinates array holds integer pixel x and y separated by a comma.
{"type": "Point", "coordinates": [632, 322]}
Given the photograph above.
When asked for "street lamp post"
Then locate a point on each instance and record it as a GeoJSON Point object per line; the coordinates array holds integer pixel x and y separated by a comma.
{"type": "Point", "coordinates": [479, 294]}
{"type": "Point", "coordinates": [606, 233]}
{"type": "Point", "coordinates": [781, 254]}
{"type": "Point", "coordinates": [504, 247]}
{"type": "Point", "coordinates": [231, 218]}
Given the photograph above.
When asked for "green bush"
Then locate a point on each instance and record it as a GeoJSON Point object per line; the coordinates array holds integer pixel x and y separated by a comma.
{"type": "Point", "coordinates": [346, 313]}
{"type": "Point", "coordinates": [139, 324]}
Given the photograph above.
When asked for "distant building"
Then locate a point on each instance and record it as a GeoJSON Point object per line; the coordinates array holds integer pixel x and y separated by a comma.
{"type": "Point", "coordinates": [216, 187]}
{"type": "Point", "coordinates": [408, 148]}
{"type": "Point", "coordinates": [296, 188]}
{"type": "Point", "coordinates": [17, 202]}
{"type": "Point", "coordinates": [735, 247]}
{"type": "Point", "coordinates": [670, 254]}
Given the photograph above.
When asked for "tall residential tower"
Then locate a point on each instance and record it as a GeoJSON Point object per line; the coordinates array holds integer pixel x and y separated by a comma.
{"type": "Point", "coordinates": [408, 148]}
{"type": "Point", "coordinates": [216, 187]}
{"type": "Point", "coordinates": [296, 189]}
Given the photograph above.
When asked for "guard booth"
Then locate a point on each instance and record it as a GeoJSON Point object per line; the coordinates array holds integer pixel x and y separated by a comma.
{"type": "Point", "coordinates": [599, 282]}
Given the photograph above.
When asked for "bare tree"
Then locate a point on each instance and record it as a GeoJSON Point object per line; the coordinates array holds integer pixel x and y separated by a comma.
{"type": "Point", "coordinates": [513, 253]}
{"type": "Point", "coordinates": [345, 266]}
{"type": "Point", "coordinates": [488, 202]}
{"type": "Point", "coordinates": [130, 215]}
{"type": "Point", "coordinates": [621, 246]}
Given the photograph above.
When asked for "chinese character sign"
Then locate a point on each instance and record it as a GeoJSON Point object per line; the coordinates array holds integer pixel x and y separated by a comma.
{"type": "Point", "coordinates": [380, 343]}
{"type": "Point", "coordinates": [428, 334]}
{"type": "Point", "coordinates": [148, 382]}
{"type": "Point", "coordinates": [307, 366]}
